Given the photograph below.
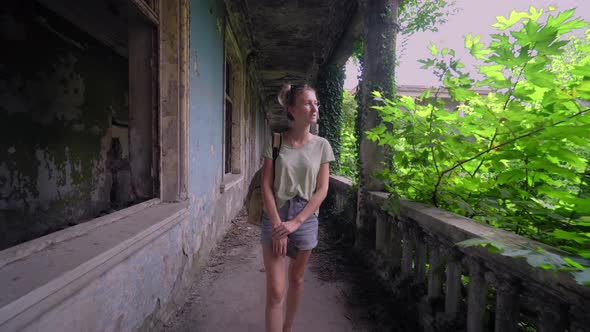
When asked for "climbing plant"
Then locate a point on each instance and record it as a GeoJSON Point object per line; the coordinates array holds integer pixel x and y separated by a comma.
{"type": "Point", "coordinates": [329, 93]}
{"type": "Point", "coordinates": [516, 157]}
{"type": "Point", "coordinates": [414, 16]}
{"type": "Point", "coordinates": [348, 160]}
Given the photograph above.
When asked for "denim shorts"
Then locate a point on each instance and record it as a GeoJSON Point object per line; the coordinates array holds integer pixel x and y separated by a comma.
{"type": "Point", "coordinates": [305, 237]}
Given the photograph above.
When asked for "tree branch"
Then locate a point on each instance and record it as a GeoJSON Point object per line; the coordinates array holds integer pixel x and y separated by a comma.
{"type": "Point", "coordinates": [530, 133]}
{"type": "Point", "coordinates": [491, 146]}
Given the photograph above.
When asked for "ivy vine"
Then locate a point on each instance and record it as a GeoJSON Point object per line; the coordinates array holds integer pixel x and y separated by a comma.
{"type": "Point", "coordinates": [330, 85]}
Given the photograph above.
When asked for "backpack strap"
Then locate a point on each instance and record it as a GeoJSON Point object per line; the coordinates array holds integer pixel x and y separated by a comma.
{"type": "Point", "coordinates": [277, 142]}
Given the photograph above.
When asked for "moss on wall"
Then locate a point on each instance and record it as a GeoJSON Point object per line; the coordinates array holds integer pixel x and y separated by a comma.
{"type": "Point", "coordinates": [330, 84]}
{"type": "Point", "coordinates": [58, 92]}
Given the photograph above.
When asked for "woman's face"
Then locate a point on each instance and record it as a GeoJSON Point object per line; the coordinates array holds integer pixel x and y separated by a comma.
{"type": "Point", "coordinates": [306, 107]}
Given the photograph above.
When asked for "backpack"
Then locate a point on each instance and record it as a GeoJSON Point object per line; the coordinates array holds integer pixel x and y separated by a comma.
{"type": "Point", "coordinates": [254, 204]}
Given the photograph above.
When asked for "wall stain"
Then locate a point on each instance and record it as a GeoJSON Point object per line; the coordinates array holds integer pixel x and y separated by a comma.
{"type": "Point", "coordinates": [56, 108]}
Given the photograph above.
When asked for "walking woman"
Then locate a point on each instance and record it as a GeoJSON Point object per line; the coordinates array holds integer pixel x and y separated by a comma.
{"type": "Point", "coordinates": [291, 202]}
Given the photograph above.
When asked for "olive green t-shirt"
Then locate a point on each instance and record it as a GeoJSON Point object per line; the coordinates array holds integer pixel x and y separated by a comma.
{"type": "Point", "coordinates": [297, 170]}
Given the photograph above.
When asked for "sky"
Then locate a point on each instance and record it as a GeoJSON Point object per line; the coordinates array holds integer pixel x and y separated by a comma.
{"type": "Point", "coordinates": [476, 17]}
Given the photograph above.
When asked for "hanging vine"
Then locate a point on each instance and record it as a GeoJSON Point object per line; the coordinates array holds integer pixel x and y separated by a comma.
{"type": "Point", "coordinates": [330, 85]}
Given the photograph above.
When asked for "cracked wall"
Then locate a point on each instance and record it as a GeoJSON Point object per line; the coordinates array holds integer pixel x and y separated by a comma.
{"type": "Point", "coordinates": [59, 92]}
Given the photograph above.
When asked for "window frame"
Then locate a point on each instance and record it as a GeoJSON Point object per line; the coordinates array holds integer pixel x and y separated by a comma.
{"type": "Point", "coordinates": [233, 95]}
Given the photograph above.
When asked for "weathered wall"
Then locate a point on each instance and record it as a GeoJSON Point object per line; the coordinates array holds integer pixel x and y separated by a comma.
{"type": "Point", "coordinates": [206, 102]}
{"type": "Point", "coordinates": [133, 295]}
{"type": "Point", "coordinates": [143, 289]}
{"type": "Point", "coordinates": [59, 90]}
{"type": "Point", "coordinates": [210, 209]}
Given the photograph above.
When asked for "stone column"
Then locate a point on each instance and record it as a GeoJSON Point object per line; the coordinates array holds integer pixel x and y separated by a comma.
{"type": "Point", "coordinates": [453, 285]}
{"type": "Point", "coordinates": [507, 310]}
{"type": "Point", "coordinates": [476, 297]}
{"type": "Point", "coordinates": [382, 233]}
{"type": "Point", "coordinates": [396, 245]}
{"type": "Point", "coordinates": [579, 318]}
{"type": "Point", "coordinates": [380, 29]}
{"type": "Point", "coordinates": [550, 315]}
{"type": "Point", "coordinates": [435, 271]}
{"type": "Point", "coordinates": [420, 258]}
{"type": "Point", "coordinates": [407, 253]}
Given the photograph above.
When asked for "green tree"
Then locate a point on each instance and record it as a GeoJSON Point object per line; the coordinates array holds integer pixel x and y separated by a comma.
{"type": "Point", "coordinates": [348, 138]}
{"type": "Point", "coordinates": [516, 157]}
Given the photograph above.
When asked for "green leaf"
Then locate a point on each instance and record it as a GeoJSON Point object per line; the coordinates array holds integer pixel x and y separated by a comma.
{"type": "Point", "coordinates": [570, 236]}
{"type": "Point", "coordinates": [425, 94]}
{"type": "Point", "coordinates": [510, 176]}
{"type": "Point", "coordinates": [545, 260]}
{"type": "Point", "coordinates": [573, 263]}
{"type": "Point", "coordinates": [582, 70]}
{"type": "Point", "coordinates": [433, 49]}
{"type": "Point", "coordinates": [506, 23]}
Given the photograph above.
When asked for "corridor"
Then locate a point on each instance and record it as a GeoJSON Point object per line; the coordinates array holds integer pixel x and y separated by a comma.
{"type": "Point", "coordinates": [229, 293]}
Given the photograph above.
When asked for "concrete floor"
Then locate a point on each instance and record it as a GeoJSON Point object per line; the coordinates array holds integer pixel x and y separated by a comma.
{"type": "Point", "coordinates": [229, 295]}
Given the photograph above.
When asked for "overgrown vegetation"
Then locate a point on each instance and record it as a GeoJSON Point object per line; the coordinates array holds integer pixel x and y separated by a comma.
{"type": "Point", "coordinates": [348, 163]}
{"type": "Point", "coordinates": [329, 90]}
{"type": "Point", "coordinates": [414, 16]}
{"type": "Point", "coordinates": [516, 157]}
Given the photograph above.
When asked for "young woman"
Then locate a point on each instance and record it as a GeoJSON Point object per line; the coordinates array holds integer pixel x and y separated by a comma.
{"type": "Point", "coordinates": [291, 202]}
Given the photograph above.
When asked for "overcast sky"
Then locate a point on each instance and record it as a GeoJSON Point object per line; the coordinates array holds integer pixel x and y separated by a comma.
{"type": "Point", "coordinates": [476, 17]}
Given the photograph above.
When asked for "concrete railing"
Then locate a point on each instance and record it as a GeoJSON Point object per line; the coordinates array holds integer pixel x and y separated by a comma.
{"type": "Point", "coordinates": [468, 287]}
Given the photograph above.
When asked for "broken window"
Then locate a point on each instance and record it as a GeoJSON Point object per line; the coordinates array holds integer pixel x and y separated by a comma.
{"type": "Point", "coordinates": [233, 106]}
{"type": "Point", "coordinates": [228, 119]}
{"type": "Point", "coordinates": [78, 113]}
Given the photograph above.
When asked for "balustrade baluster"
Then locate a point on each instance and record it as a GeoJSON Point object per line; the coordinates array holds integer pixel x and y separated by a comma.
{"type": "Point", "coordinates": [453, 285]}
{"type": "Point", "coordinates": [382, 233]}
{"type": "Point", "coordinates": [396, 246]}
{"type": "Point", "coordinates": [550, 314]}
{"type": "Point", "coordinates": [580, 319]}
{"type": "Point", "coordinates": [476, 298]}
{"type": "Point", "coordinates": [420, 260]}
{"type": "Point", "coordinates": [435, 271]}
{"type": "Point", "coordinates": [407, 252]}
{"type": "Point", "coordinates": [507, 306]}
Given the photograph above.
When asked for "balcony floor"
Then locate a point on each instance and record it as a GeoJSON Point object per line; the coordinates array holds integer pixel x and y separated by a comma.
{"type": "Point", "coordinates": [229, 293]}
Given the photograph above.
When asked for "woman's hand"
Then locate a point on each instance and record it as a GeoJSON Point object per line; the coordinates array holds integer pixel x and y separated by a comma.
{"type": "Point", "coordinates": [285, 228]}
{"type": "Point", "coordinates": [279, 247]}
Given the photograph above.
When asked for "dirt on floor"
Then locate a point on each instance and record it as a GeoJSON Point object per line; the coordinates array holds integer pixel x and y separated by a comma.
{"type": "Point", "coordinates": [334, 268]}
{"type": "Point", "coordinates": [369, 304]}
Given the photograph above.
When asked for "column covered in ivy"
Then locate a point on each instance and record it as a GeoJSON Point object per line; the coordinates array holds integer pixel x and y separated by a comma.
{"type": "Point", "coordinates": [329, 86]}
{"type": "Point", "coordinates": [380, 30]}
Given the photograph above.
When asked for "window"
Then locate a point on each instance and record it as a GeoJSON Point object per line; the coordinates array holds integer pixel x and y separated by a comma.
{"type": "Point", "coordinates": [228, 119]}
{"type": "Point", "coordinates": [233, 106]}
{"type": "Point", "coordinates": [86, 123]}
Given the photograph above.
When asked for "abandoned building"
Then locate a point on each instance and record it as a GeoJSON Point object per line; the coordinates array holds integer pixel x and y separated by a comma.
{"type": "Point", "coordinates": [130, 131]}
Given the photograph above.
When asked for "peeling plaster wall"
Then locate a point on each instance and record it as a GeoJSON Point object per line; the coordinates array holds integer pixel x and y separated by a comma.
{"type": "Point", "coordinates": [137, 288]}
{"type": "Point", "coordinates": [211, 210]}
{"type": "Point", "coordinates": [143, 290]}
{"type": "Point", "coordinates": [59, 89]}
{"type": "Point", "coordinates": [205, 106]}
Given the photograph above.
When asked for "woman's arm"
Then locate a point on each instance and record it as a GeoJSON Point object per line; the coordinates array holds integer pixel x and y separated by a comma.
{"type": "Point", "coordinates": [268, 197]}
{"type": "Point", "coordinates": [321, 191]}
{"type": "Point", "coordinates": [312, 205]}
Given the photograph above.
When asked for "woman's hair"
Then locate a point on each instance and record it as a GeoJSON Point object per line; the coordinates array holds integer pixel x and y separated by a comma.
{"type": "Point", "coordinates": [289, 93]}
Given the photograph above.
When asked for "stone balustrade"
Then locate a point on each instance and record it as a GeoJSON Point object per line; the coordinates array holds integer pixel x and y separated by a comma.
{"type": "Point", "coordinates": [467, 288]}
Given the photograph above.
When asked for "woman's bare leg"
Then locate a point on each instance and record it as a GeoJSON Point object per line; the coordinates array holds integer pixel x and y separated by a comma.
{"type": "Point", "coordinates": [275, 289]}
{"type": "Point", "coordinates": [296, 271]}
